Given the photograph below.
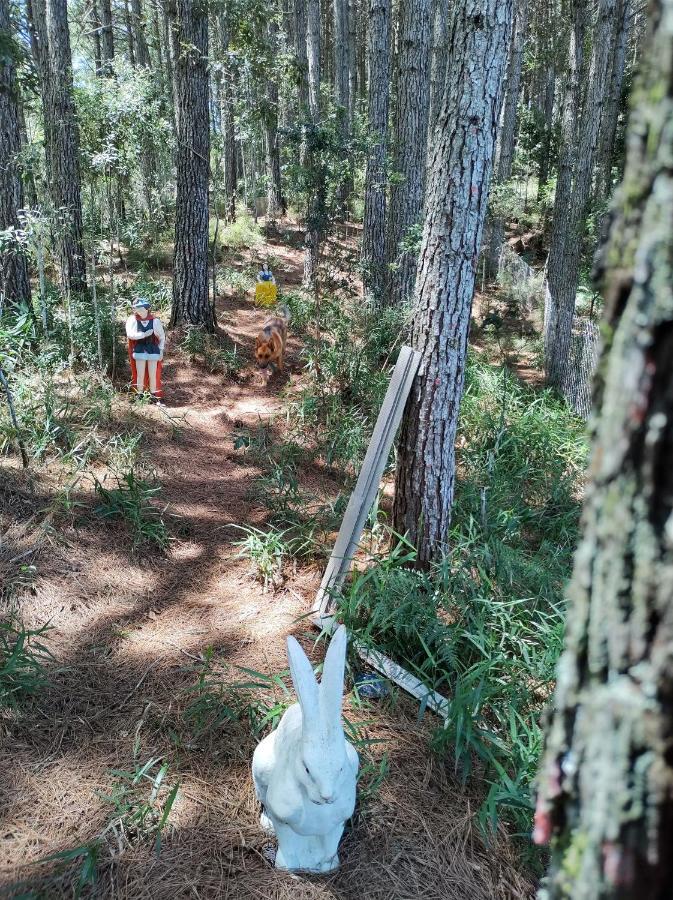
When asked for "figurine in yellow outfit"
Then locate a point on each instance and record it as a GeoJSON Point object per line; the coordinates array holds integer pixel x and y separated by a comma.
{"type": "Point", "coordinates": [266, 290]}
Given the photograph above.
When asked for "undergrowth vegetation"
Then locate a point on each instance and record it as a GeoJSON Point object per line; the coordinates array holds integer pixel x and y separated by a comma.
{"type": "Point", "coordinates": [485, 627]}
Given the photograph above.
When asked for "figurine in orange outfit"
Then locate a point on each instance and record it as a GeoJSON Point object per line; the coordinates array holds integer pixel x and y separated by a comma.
{"type": "Point", "coordinates": [146, 337]}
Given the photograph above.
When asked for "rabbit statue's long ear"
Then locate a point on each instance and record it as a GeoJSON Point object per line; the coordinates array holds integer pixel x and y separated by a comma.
{"type": "Point", "coordinates": [304, 681]}
{"type": "Point", "coordinates": [332, 684]}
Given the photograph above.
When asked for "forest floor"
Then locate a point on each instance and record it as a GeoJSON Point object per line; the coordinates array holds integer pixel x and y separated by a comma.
{"type": "Point", "coordinates": [129, 637]}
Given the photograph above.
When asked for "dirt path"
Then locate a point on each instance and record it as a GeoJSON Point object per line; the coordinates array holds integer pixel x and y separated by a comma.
{"type": "Point", "coordinates": [128, 634]}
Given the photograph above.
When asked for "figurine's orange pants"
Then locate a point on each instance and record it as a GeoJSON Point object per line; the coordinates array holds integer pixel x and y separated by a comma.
{"type": "Point", "coordinates": [134, 374]}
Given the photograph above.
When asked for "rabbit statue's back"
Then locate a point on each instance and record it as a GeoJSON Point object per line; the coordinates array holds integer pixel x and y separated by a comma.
{"type": "Point", "coordinates": [305, 771]}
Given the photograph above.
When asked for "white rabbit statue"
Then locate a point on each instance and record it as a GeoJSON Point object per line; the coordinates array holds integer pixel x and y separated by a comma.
{"type": "Point", "coordinates": [305, 771]}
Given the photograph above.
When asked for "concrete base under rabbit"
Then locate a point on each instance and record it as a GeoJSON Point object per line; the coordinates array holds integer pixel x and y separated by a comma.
{"type": "Point", "coordinates": [305, 771]}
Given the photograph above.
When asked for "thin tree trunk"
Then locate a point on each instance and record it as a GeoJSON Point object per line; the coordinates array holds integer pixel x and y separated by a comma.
{"type": "Point", "coordinates": [409, 147]}
{"type": "Point", "coordinates": [274, 194]}
{"type": "Point", "coordinates": [439, 61]}
{"type": "Point", "coordinates": [606, 780]}
{"type": "Point", "coordinates": [301, 54]}
{"type": "Point", "coordinates": [610, 115]}
{"type": "Point", "coordinates": [342, 96]}
{"type": "Point", "coordinates": [95, 37]}
{"type": "Point", "coordinates": [507, 137]}
{"type": "Point", "coordinates": [374, 226]}
{"type": "Point", "coordinates": [315, 219]}
{"type": "Point", "coordinates": [107, 36]}
{"type": "Point", "coordinates": [570, 211]}
{"type": "Point", "coordinates": [130, 38]}
{"type": "Point", "coordinates": [14, 279]}
{"type": "Point", "coordinates": [138, 22]}
{"type": "Point", "coordinates": [460, 170]}
{"type": "Point", "coordinates": [50, 39]}
{"type": "Point", "coordinates": [226, 97]}
{"type": "Point", "coordinates": [190, 276]}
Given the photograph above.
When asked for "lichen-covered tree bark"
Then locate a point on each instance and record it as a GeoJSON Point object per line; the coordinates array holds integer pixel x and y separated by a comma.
{"type": "Point", "coordinates": [50, 39]}
{"type": "Point", "coordinates": [14, 281]}
{"type": "Point", "coordinates": [409, 147]}
{"type": "Point", "coordinates": [570, 209]}
{"type": "Point", "coordinates": [374, 225]}
{"type": "Point", "coordinates": [190, 261]}
{"type": "Point", "coordinates": [606, 781]}
{"type": "Point", "coordinates": [460, 169]}
{"type": "Point", "coordinates": [507, 137]}
{"type": "Point", "coordinates": [274, 195]}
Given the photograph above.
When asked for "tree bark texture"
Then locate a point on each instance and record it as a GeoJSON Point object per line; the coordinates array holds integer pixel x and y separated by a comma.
{"type": "Point", "coordinates": [606, 781]}
{"type": "Point", "coordinates": [570, 207]}
{"type": "Point", "coordinates": [460, 169]}
{"type": "Point", "coordinates": [439, 61]}
{"type": "Point", "coordinates": [130, 37]}
{"type": "Point", "coordinates": [341, 45]}
{"type": "Point", "coordinates": [374, 225]}
{"type": "Point", "coordinates": [316, 201]}
{"type": "Point", "coordinates": [226, 98]}
{"type": "Point", "coordinates": [106, 36]}
{"type": "Point", "coordinates": [14, 280]}
{"type": "Point", "coordinates": [507, 137]}
{"type": "Point", "coordinates": [617, 65]}
{"type": "Point", "coordinates": [138, 23]}
{"type": "Point", "coordinates": [190, 276]}
{"type": "Point", "coordinates": [409, 145]}
{"type": "Point", "coordinates": [51, 44]}
{"type": "Point", "coordinates": [274, 193]}
{"type": "Point", "coordinates": [301, 54]}
{"type": "Point", "coordinates": [95, 37]}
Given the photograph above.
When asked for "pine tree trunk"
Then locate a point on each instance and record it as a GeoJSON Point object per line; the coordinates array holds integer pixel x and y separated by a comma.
{"type": "Point", "coordinates": [439, 61]}
{"type": "Point", "coordinates": [570, 211]}
{"type": "Point", "coordinates": [608, 130]}
{"type": "Point", "coordinates": [301, 54]}
{"type": "Point", "coordinates": [507, 137]}
{"type": "Point", "coordinates": [316, 202]}
{"type": "Point", "coordinates": [226, 96]}
{"type": "Point", "coordinates": [342, 94]}
{"type": "Point", "coordinates": [50, 38]}
{"type": "Point", "coordinates": [190, 276]}
{"type": "Point", "coordinates": [95, 36]}
{"type": "Point", "coordinates": [14, 280]}
{"type": "Point", "coordinates": [169, 14]}
{"type": "Point", "coordinates": [409, 146]}
{"type": "Point", "coordinates": [606, 781]}
{"type": "Point", "coordinates": [274, 193]}
{"type": "Point", "coordinates": [352, 62]}
{"type": "Point", "coordinates": [374, 226]}
{"type": "Point", "coordinates": [106, 36]}
{"type": "Point", "coordinates": [130, 37]}
{"type": "Point", "coordinates": [142, 50]}
{"type": "Point", "coordinates": [460, 168]}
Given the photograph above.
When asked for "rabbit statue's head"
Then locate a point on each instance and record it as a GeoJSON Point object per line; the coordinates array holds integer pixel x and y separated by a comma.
{"type": "Point", "coordinates": [321, 755]}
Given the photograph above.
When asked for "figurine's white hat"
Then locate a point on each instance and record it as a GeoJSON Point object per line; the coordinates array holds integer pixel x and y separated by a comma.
{"type": "Point", "coordinates": [140, 303]}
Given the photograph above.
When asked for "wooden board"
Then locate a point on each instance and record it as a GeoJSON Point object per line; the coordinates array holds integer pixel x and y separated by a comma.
{"type": "Point", "coordinates": [368, 483]}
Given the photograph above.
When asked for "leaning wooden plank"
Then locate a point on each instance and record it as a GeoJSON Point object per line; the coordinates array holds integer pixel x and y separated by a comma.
{"type": "Point", "coordinates": [408, 682]}
{"type": "Point", "coordinates": [385, 666]}
{"type": "Point", "coordinates": [368, 482]}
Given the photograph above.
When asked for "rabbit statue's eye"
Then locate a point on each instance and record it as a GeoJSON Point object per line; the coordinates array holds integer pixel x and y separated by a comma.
{"type": "Point", "coordinates": [306, 770]}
